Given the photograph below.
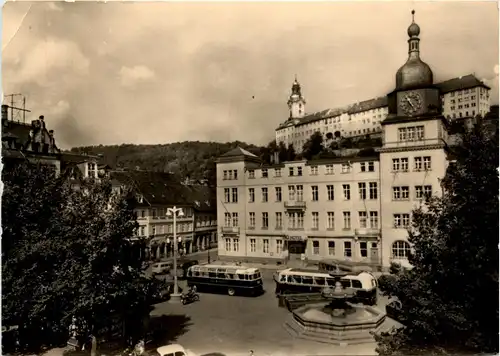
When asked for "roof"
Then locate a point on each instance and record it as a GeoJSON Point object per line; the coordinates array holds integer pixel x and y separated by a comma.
{"type": "Point", "coordinates": [160, 188]}
{"type": "Point", "coordinates": [238, 151]}
{"type": "Point", "coordinates": [459, 83]}
{"type": "Point", "coordinates": [169, 349]}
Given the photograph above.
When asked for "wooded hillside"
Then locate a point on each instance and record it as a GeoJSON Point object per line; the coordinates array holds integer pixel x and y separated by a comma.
{"type": "Point", "coordinates": [193, 159]}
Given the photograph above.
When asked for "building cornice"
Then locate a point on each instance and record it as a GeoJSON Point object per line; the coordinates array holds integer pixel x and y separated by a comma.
{"type": "Point", "coordinates": [412, 148]}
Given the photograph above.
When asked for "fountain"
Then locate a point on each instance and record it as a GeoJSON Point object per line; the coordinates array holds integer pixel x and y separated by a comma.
{"type": "Point", "coordinates": [336, 320]}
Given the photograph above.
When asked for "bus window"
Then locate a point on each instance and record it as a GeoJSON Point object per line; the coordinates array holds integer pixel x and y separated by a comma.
{"type": "Point", "coordinates": [258, 275]}
{"type": "Point", "coordinates": [221, 275]}
{"type": "Point", "coordinates": [330, 282]}
{"type": "Point", "coordinates": [241, 276]}
{"type": "Point", "coordinates": [229, 276]}
{"type": "Point", "coordinates": [212, 274]}
{"type": "Point", "coordinates": [196, 273]}
{"type": "Point", "coordinates": [319, 280]}
{"type": "Point", "coordinates": [190, 273]}
{"type": "Point", "coordinates": [356, 284]}
{"type": "Point", "coordinates": [282, 278]}
{"type": "Point", "coordinates": [307, 280]}
{"type": "Point", "coordinates": [346, 283]}
{"type": "Point", "coordinates": [296, 279]}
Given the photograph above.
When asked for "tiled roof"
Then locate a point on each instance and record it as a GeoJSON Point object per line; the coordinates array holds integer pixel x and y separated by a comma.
{"type": "Point", "coordinates": [460, 83]}
{"type": "Point", "coordinates": [159, 188]}
{"type": "Point", "coordinates": [464, 82]}
{"type": "Point", "coordinates": [238, 151]}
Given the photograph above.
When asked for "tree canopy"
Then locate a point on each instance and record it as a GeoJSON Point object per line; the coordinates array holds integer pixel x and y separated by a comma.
{"type": "Point", "coordinates": [313, 145]}
{"type": "Point", "coordinates": [450, 295]}
{"type": "Point", "coordinates": [68, 253]}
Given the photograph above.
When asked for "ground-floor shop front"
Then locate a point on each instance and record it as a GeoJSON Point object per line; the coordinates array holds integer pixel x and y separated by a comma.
{"type": "Point", "coordinates": [310, 249]}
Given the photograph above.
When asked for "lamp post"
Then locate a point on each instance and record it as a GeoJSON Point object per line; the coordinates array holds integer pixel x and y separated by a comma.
{"type": "Point", "coordinates": [175, 297]}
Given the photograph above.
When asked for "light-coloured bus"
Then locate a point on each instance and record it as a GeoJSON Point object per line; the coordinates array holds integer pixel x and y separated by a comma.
{"type": "Point", "coordinates": [296, 281]}
{"type": "Point", "coordinates": [228, 279]}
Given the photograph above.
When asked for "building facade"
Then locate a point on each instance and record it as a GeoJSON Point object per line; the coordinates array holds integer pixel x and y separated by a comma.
{"type": "Point", "coordinates": [356, 206]}
{"type": "Point", "coordinates": [460, 97]}
{"type": "Point", "coordinates": [156, 192]}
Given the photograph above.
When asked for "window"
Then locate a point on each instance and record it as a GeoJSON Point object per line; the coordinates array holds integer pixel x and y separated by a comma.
{"type": "Point", "coordinates": [347, 191]}
{"type": "Point", "coordinates": [279, 247]}
{"type": "Point", "coordinates": [279, 220]}
{"type": "Point", "coordinates": [411, 133]}
{"type": "Point", "coordinates": [278, 193]}
{"type": "Point", "coordinates": [235, 194]}
{"type": "Point", "coordinates": [400, 250]}
{"type": "Point", "coordinates": [228, 244]}
{"type": "Point", "coordinates": [347, 249]}
{"type": "Point", "coordinates": [331, 248]}
{"type": "Point", "coordinates": [362, 191]}
{"type": "Point", "coordinates": [265, 220]}
{"type": "Point", "coordinates": [315, 247]}
{"type": "Point", "coordinates": [362, 219]}
{"type": "Point", "coordinates": [264, 173]}
{"type": "Point", "coordinates": [331, 192]}
{"type": "Point", "coordinates": [251, 174]}
{"type": "Point", "coordinates": [225, 175]}
{"type": "Point", "coordinates": [315, 220]}
{"type": "Point", "coordinates": [373, 190]}
{"type": "Point", "coordinates": [290, 171]}
{"type": "Point", "coordinates": [235, 174]}
{"type": "Point", "coordinates": [314, 170]}
{"type": "Point", "coordinates": [251, 218]}
{"type": "Point", "coordinates": [314, 189]}
{"type": "Point", "coordinates": [300, 193]}
{"type": "Point", "coordinates": [251, 195]}
{"type": "Point", "coordinates": [423, 191]}
{"type": "Point", "coordinates": [265, 246]}
{"type": "Point", "coordinates": [374, 219]}
{"type": "Point", "coordinates": [300, 220]}
{"type": "Point", "coordinates": [427, 163]}
{"type": "Point", "coordinates": [264, 195]}
{"type": "Point", "coordinates": [153, 230]}
{"type": "Point", "coordinates": [346, 167]}
{"type": "Point", "coordinates": [331, 220]}
{"type": "Point", "coordinates": [277, 172]}
{"type": "Point", "coordinates": [400, 193]}
{"type": "Point", "coordinates": [329, 169]}
{"type": "Point", "coordinates": [236, 245]}
{"type": "Point", "coordinates": [400, 164]}
{"type": "Point", "coordinates": [291, 192]}
{"type": "Point", "coordinates": [401, 221]}
{"type": "Point", "coordinates": [404, 164]}
{"type": "Point", "coordinates": [363, 249]}
{"type": "Point", "coordinates": [227, 195]}
{"type": "Point", "coordinates": [367, 166]}
{"type": "Point", "coordinates": [253, 245]}
{"type": "Point", "coordinates": [347, 220]}
{"type": "Point", "coordinates": [299, 171]}
{"type": "Point", "coordinates": [227, 219]}
{"type": "Point", "coordinates": [235, 219]}
{"type": "Point", "coordinates": [92, 168]}
{"type": "Point", "coordinates": [143, 230]}
{"type": "Point", "coordinates": [292, 222]}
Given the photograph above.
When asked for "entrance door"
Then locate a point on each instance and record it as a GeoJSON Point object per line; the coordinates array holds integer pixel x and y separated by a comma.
{"type": "Point", "coordinates": [374, 252]}
{"type": "Point", "coordinates": [296, 249]}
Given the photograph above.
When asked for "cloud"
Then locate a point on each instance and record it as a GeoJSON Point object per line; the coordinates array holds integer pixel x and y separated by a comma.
{"type": "Point", "coordinates": [131, 76]}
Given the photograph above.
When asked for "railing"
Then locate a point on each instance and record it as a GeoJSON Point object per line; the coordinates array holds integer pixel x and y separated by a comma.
{"type": "Point", "coordinates": [230, 230]}
{"type": "Point", "coordinates": [367, 232]}
{"type": "Point", "coordinates": [295, 204]}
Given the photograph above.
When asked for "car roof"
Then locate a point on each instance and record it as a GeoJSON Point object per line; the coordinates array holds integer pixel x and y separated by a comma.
{"type": "Point", "coordinates": [168, 349]}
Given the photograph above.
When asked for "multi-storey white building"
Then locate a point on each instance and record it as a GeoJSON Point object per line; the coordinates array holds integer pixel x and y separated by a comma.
{"type": "Point", "coordinates": [460, 97]}
{"type": "Point", "coordinates": [357, 206]}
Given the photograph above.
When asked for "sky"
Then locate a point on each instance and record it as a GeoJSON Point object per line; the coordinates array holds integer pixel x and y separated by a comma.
{"type": "Point", "coordinates": [161, 72]}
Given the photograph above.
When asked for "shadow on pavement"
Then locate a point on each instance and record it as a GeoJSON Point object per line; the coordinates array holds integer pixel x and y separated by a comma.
{"type": "Point", "coordinates": [165, 329]}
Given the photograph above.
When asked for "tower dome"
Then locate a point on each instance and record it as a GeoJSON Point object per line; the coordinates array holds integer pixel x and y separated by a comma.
{"type": "Point", "coordinates": [414, 73]}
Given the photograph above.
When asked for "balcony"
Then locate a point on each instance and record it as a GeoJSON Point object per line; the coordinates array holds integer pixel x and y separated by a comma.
{"type": "Point", "coordinates": [230, 230]}
{"type": "Point", "coordinates": [367, 232]}
{"type": "Point", "coordinates": [295, 205]}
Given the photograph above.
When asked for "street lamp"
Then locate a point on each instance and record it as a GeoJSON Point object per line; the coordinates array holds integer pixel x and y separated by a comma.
{"type": "Point", "coordinates": [175, 297]}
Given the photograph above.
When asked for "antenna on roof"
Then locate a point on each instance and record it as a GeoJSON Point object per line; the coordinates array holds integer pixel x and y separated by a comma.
{"type": "Point", "coordinates": [13, 107]}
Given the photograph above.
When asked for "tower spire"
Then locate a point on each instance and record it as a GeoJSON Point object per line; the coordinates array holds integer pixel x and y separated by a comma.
{"type": "Point", "coordinates": [412, 16]}
{"type": "Point", "coordinates": [296, 103]}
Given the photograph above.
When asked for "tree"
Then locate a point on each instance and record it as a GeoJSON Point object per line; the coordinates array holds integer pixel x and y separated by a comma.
{"type": "Point", "coordinates": [451, 293]}
{"type": "Point", "coordinates": [290, 153]}
{"type": "Point", "coordinates": [66, 253]}
{"type": "Point", "coordinates": [313, 146]}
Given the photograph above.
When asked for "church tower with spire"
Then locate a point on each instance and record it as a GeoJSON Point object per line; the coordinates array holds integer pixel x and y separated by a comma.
{"type": "Point", "coordinates": [296, 102]}
{"type": "Point", "coordinates": [412, 157]}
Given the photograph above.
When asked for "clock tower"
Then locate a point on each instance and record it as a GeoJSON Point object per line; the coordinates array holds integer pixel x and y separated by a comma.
{"type": "Point", "coordinates": [296, 102]}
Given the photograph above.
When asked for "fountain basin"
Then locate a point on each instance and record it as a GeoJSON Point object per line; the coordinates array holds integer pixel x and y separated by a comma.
{"type": "Point", "coordinates": [354, 326]}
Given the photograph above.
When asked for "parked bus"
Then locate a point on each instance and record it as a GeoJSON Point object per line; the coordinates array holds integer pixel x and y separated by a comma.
{"type": "Point", "coordinates": [296, 280]}
{"type": "Point", "coordinates": [228, 279]}
{"type": "Point", "coordinates": [331, 265]}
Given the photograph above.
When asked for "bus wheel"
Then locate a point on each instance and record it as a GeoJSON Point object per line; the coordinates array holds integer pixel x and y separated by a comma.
{"type": "Point", "coordinates": [230, 291]}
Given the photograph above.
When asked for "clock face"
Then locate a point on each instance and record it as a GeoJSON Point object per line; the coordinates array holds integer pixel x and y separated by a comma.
{"type": "Point", "coordinates": [410, 103]}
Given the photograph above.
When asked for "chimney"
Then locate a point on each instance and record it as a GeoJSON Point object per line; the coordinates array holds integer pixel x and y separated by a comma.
{"type": "Point", "coordinates": [5, 112]}
{"type": "Point", "coordinates": [42, 121]}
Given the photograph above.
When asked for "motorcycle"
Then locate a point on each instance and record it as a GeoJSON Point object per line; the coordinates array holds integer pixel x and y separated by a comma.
{"type": "Point", "coordinates": [189, 297]}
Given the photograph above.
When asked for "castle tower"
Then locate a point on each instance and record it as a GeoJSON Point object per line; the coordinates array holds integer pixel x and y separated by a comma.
{"type": "Point", "coordinates": [296, 102]}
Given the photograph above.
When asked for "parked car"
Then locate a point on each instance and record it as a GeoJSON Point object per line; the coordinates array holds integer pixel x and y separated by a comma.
{"type": "Point", "coordinates": [394, 310]}
{"type": "Point", "coordinates": [161, 268]}
{"type": "Point", "coordinates": [174, 350]}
